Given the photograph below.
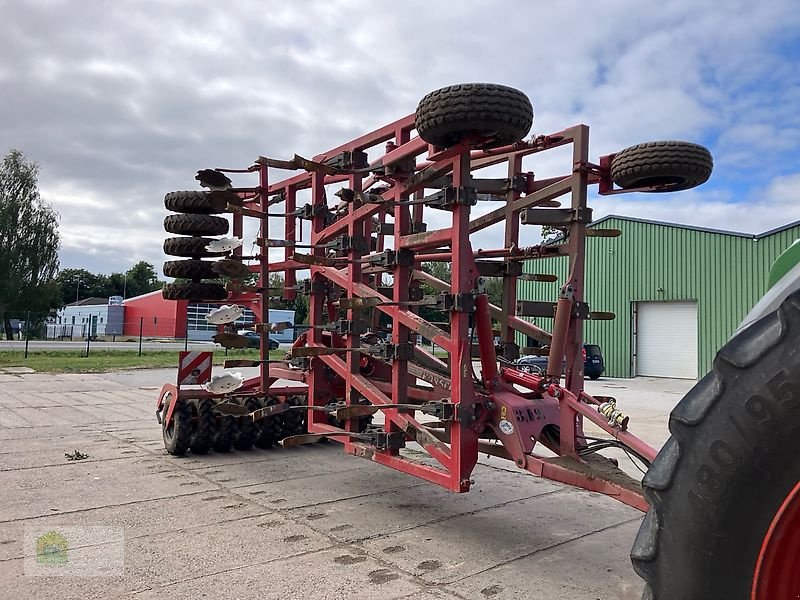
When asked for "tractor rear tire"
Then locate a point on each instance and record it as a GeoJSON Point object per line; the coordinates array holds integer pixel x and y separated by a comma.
{"type": "Point", "coordinates": [194, 247]}
{"type": "Point", "coordinates": [194, 292]}
{"type": "Point", "coordinates": [717, 484]}
{"type": "Point", "coordinates": [677, 165]}
{"type": "Point", "coordinates": [488, 114]}
{"type": "Point", "coordinates": [190, 269]}
{"type": "Point", "coordinates": [192, 202]}
{"type": "Point", "coordinates": [178, 435]}
{"type": "Point", "coordinates": [196, 224]}
{"type": "Point", "coordinates": [204, 426]}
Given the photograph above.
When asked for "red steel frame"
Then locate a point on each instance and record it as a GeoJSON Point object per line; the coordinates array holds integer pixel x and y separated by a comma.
{"type": "Point", "coordinates": [549, 405]}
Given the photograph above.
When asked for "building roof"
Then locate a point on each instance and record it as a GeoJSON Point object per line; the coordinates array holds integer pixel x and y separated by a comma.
{"type": "Point", "coordinates": [141, 296]}
{"type": "Point", "coordinates": [756, 236]}
{"type": "Point", "coordinates": [89, 302]}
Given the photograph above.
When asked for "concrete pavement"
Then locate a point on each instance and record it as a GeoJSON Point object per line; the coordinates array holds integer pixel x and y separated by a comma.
{"type": "Point", "coordinates": [306, 522]}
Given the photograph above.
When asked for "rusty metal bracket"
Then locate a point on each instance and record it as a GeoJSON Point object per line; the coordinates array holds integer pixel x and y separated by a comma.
{"type": "Point", "coordinates": [496, 268]}
{"type": "Point", "coordinates": [349, 160]}
{"type": "Point", "coordinates": [533, 308]}
{"type": "Point", "coordinates": [556, 217]}
{"type": "Point", "coordinates": [451, 196]}
{"type": "Point", "coordinates": [392, 258]}
{"type": "Point", "coordinates": [390, 352]}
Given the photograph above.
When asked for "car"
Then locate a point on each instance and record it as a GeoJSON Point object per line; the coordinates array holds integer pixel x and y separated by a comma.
{"type": "Point", "coordinates": [254, 339]}
{"type": "Point", "coordinates": [593, 364]}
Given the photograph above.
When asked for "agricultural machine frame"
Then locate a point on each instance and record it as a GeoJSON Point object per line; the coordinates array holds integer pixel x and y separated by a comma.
{"type": "Point", "coordinates": [352, 250]}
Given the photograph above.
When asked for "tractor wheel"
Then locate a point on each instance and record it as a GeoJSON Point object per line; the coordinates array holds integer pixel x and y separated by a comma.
{"type": "Point", "coordinates": [189, 246]}
{"type": "Point", "coordinates": [294, 421]}
{"type": "Point", "coordinates": [271, 428]}
{"type": "Point", "coordinates": [192, 202]}
{"type": "Point", "coordinates": [247, 430]}
{"type": "Point", "coordinates": [724, 498]}
{"type": "Point", "coordinates": [678, 165]}
{"type": "Point", "coordinates": [488, 114]}
{"type": "Point", "coordinates": [195, 224]}
{"type": "Point", "coordinates": [178, 435]}
{"type": "Point", "coordinates": [204, 425]}
{"type": "Point", "coordinates": [194, 292]}
{"type": "Point", "coordinates": [223, 435]}
{"type": "Point", "coordinates": [190, 269]}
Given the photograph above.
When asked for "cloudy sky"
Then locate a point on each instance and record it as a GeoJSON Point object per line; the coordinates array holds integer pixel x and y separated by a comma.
{"type": "Point", "coordinates": [121, 102]}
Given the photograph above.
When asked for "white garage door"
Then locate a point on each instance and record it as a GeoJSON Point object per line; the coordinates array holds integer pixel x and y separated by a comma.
{"type": "Point", "coordinates": [666, 339]}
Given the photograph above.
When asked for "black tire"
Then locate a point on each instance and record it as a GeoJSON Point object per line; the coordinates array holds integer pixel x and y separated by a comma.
{"type": "Point", "coordinates": [223, 436]}
{"type": "Point", "coordinates": [246, 430]}
{"type": "Point", "coordinates": [594, 377]}
{"type": "Point", "coordinates": [294, 421]}
{"type": "Point", "coordinates": [194, 292]}
{"type": "Point", "coordinates": [189, 247]}
{"type": "Point", "coordinates": [190, 269]}
{"type": "Point", "coordinates": [679, 165]}
{"type": "Point", "coordinates": [270, 429]}
{"type": "Point", "coordinates": [178, 435]}
{"type": "Point", "coordinates": [732, 459]}
{"type": "Point", "coordinates": [204, 425]}
{"type": "Point", "coordinates": [196, 224]}
{"type": "Point", "coordinates": [492, 115]}
{"type": "Point", "coordinates": [192, 202]}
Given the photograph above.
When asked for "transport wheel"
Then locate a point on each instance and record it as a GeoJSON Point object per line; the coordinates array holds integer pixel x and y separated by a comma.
{"type": "Point", "coordinates": [294, 421]}
{"type": "Point", "coordinates": [178, 434]}
{"type": "Point", "coordinates": [246, 430]}
{"type": "Point", "coordinates": [491, 115]}
{"type": "Point", "coordinates": [189, 246]}
{"type": "Point", "coordinates": [196, 224]}
{"type": "Point", "coordinates": [190, 269]}
{"type": "Point", "coordinates": [679, 165]}
{"type": "Point", "coordinates": [192, 202]}
{"type": "Point", "coordinates": [724, 520]}
{"type": "Point", "coordinates": [194, 292]}
{"type": "Point", "coordinates": [223, 434]}
{"type": "Point", "coordinates": [204, 425]}
{"type": "Point", "coordinates": [271, 428]}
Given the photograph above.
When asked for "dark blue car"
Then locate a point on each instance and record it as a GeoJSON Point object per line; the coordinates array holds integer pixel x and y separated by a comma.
{"type": "Point", "coordinates": [593, 365]}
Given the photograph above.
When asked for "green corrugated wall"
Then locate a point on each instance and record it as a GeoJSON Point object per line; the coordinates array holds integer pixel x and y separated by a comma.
{"type": "Point", "coordinates": [725, 273]}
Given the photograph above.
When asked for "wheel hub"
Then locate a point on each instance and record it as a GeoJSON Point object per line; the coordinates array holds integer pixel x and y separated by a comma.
{"type": "Point", "coordinates": [777, 575]}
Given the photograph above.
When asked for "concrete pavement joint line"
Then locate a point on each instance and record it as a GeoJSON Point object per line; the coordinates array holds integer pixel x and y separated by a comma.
{"type": "Point", "coordinates": [68, 464]}
{"type": "Point", "coordinates": [159, 533]}
{"type": "Point", "coordinates": [545, 549]}
{"type": "Point", "coordinates": [117, 505]}
{"type": "Point", "coordinates": [237, 568]}
{"type": "Point", "coordinates": [356, 497]}
{"type": "Point", "coordinates": [246, 485]}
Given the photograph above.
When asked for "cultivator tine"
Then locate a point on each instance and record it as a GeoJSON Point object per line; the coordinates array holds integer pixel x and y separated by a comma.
{"type": "Point", "coordinates": [602, 316]}
{"type": "Point", "coordinates": [213, 179]}
{"type": "Point", "coordinates": [538, 277]}
{"type": "Point", "coordinates": [242, 362]}
{"type": "Point", "coordinates": [229, 267]}
{"type": "Point", "coordinates": [231, 340]}
{"type": "Point", "coordinates": [310, 351]}
{"type": "Point", "coordinates": [320, 261]}
{"type": "Point", "coordinates": [603, 233]}
{"type": "Point", "coordinates": [360, 303]}
{"type": "Point", "coordinates": [274, 327]}
{"type": "Point", "coordinates": [229, 409]}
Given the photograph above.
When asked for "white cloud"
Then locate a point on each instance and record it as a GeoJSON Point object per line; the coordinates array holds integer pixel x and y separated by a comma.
{"type": "Point", "coordinates": [122, 102]}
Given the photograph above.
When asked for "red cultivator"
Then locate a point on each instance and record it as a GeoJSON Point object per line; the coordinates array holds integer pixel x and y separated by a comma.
{"type": "Point", "coordinates": [365, 256]}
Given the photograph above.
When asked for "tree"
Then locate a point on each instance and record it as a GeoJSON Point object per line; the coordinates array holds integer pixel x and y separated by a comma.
{"type": "Point", "coordinates": [29, 240]}
{"type": "Point", "coordinates": [550, 234]}
{"type": "Point", "coordinates": [77, 284]}
{"type": "Point", "coordinates": [141, 279]}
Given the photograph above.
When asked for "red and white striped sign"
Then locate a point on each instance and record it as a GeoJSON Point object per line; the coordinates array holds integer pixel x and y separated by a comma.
{"type": "Point", "coordinates": [194, 368]}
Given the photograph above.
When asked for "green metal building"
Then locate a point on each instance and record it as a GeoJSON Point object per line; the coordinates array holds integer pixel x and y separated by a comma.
{"type": "Point", "coordinates": [678, 292]}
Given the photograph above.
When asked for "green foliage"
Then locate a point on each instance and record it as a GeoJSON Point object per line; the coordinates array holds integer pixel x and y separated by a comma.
{"type": "Point", "coordinates": [140, 279]}
{"type": "Point", "coordinates": [299, 305]}
{"type": "Point", "coordinates": [29, 240]}
{"type": "Point", "coordinates": [550, 234]}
